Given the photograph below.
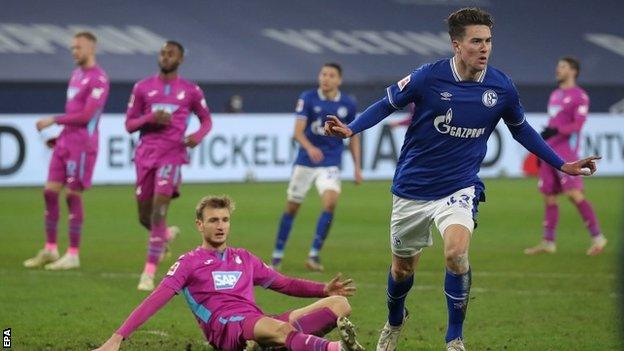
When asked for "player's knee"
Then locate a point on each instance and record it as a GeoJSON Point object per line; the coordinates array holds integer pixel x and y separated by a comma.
{"type": "Point", "coordinates": [281, 332]}
{"type": "Point", "coordinates": [146, 220]}
{"type": "Point", "coordinates": [576, 197]}
{"type": "Point", "coordinates": [159, 213]}
{"type": "Point", "coordinates": [292, 208]}
{"type": "Point", "coordinates": [329, 207]}
{"type": "Point", "coordinates": [340, 305]}
{"type": "Point", "coordinates": [457, 260]}
{"type": "Point", "coordinates": [401, 272]}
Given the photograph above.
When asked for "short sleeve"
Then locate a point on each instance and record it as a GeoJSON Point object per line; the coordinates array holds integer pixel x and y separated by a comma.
{"type": "Point", "coordinates": [178, 275]}
{"type": "Point", "coordinates": [514, 112]}
{"type": "Point", "coordinates": [302, 108]}
{"type": "Point", "coordinates": [408, 89]}
{"type": "Point", "coordinates": [263, 275]}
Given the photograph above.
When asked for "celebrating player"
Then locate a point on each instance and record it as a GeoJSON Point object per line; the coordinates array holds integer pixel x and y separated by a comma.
{"type": "Point", "coordinates": [318, 160]}
{"type": "Point", "coordinates": [459, 101]}
{"type": "Point", "coordinates": [217, 282]}
{"type": "Point", "coordinates": [75, 151]}
{"type": "Point", "coordinates": [160, 107]}
{"type": "Point", "coordinates": [568, 106]}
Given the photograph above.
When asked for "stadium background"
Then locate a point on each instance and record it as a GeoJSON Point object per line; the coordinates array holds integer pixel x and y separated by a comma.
{"type": "Point", "coordinates": [268, 52]}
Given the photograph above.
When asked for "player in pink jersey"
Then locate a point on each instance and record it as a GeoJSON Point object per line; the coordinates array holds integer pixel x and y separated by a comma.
{"type": "Point", "coordinates": [75, 151]}
{"type": "Point", "coordinates": [160, 108]}
{"type": "Point", "coordinates": [217, 282]}
{"type": "Point", "coordinates": [568, 107]}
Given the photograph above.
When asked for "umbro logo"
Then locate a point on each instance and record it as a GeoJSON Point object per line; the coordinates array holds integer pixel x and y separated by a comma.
{"type": "Point", "coordinates": [446, 96]}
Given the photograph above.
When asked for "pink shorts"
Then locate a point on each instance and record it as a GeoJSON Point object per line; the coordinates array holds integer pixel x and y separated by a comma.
{"type": "Point", "coordinates": [552, 181]}
{"type": "Point", "coordinates": [161, 180]}
{"type": "Point", "coordinates": [73, 168]}
{"type": "Point", "coordinates": [231, 333]}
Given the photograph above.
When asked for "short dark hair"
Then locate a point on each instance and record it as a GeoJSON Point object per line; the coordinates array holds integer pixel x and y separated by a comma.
{"type": "Point", "coordinates": [458, 20]}
{"type": "Point", "coordinates": [176, 44]}
{"type": "Point", "coordinates": [335, 65]}
{"type": "Point", "coordinates": [212, 201]}
{"type": "Point", "coordinates": [574, 63]}
{"type": "Point", "coordinates": [87, 35]}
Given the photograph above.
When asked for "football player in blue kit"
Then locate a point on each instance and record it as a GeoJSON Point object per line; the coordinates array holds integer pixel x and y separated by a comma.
{"type": "Point", "coordinates": [458, 103]}
{"type": "Point", "coordinates": [318, 160]}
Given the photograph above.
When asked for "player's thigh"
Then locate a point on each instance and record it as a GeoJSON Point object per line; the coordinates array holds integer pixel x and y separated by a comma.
{"type": "Point", "coordinates": [328, 180]}
{"type": "Point", "coordinates": [56, 169]}
{"type": "Point", "coordinates": [459, 208]}
{"type": "Point", "coordinates": [167, 180]}
{"type": "Point", "coordinates": [145, 181]}
{"type": "Point", "coordinates": [571, 185]}
{"type": "Point", "coordinates": [410, 226]}
{"type": "Point", "coordinates": [300, 182]}
{"type": "Point", "coordinates": [548, 180]}
{"type": "Point", "coordinates": [80, 178]}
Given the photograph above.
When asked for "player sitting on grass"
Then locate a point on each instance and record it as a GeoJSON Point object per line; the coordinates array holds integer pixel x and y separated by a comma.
{"type": "Point", "coordinates": [217, 281]}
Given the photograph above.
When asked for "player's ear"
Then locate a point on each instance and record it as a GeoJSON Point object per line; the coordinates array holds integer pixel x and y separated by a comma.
{"type": "Point", "coordinates": [200, 225]}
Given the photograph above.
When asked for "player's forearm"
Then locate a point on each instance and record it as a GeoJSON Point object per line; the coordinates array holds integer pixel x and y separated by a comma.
{"type": "Point", "coordinates": [302, 140]}
{"type": "Point", "coordinates": [374, 114]}
{"type": "Point", "coordinates": [205, 120]}
{"type": "Point", "coordinates": [146, 309]}
{"type": "Point", "coordinates": [135, 123]}
{"type": "Point", "coordinates": [528, 137]}
{"type": "Point", "coordinates": [356, 151]}
{"type": "Point", "coordinates": [298, 287]}
{"type": "Point", "coordinates": [80, 118]}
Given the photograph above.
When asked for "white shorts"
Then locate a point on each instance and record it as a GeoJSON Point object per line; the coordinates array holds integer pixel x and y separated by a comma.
{"type": "Point", "coordinates": [412, 220]}
{"type": "Point", "coordinates": [325, 178]}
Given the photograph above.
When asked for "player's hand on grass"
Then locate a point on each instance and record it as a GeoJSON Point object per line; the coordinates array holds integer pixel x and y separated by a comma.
{"type": "Point", "coordinates": [336, 286]}
{"type": "Point", "coordinates": [335, 127]}
{"type": "Point", "coordinates": [190, 141]}
{"type": "Point", "coordinates": [586, 166]}
{"type": "Point", "coordinates": [316, 155]}
{"type": "Point", "coordinates": [357, 177]}
{"type": "Point", "coordinates": [162, 117]}
{"type": "Point", "coordinates": [112, 344]}
{"type": "Point", "coordinates": [44, 123]}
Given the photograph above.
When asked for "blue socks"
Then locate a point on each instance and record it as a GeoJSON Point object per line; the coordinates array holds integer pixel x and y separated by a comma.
{"type": "Point", "coordinates": [282, 236]}
{"type": "Point", "coordinates": [456, 289]}
{"type": "Point", "coordinates": [322, 228]}
{"type": "Point", "coordinates": [397, 292]}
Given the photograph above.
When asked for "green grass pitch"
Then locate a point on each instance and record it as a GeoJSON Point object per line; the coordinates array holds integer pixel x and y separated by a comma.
{"type": "Point", "coordinates": [565, 301]}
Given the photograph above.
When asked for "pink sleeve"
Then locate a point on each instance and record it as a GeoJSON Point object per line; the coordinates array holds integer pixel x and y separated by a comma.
{"type": "Point", "coordinates": [179, 273]}
{"type": "Point", "coordinates": [134, 119]}
{"type": "Point", "coordinates": [297, 287]}
{"type": "Point", "coordinates": [94, 104]}
{"type": "Point", "coordinates": [202, 111]}
{"type": "Point", "coordinates": [580, 116]}
{"type": "Point", "coordinates": [146, 309]}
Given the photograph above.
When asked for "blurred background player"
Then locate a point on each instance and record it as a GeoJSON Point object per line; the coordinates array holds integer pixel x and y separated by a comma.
{"type": "Point", "coordinates": [159, 108]}
{"type": "Point", "coordinates": [458, 101]}
{"type": "Point", "coordinates": [75, 152]}
{"type": "Point", "coordinates": [319, 160]}
{"type": "Point", "coordinates": [568, 107]}
{"type": "Point", "coordinates": [218, 282]}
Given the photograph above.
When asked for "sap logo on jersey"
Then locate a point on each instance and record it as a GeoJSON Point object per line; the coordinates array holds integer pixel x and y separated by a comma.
{"type": "Point", "coordinates": [442, 125]}
{"type": "Point", "coordinates": [225, 280]}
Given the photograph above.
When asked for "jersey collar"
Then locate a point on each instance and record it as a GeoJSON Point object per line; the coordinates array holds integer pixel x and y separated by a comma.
{"type": "Point", "coordinates": [323, 97]}
{"type": "Point", "coordinates": [458, 78]}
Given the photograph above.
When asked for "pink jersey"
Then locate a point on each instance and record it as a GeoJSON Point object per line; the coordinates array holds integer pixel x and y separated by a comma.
{"type": "Point", "coordinates": [568, 110]}
{"type": "Point", "coordinates": [86, 96]}
{"type": "Point", "coordinates": [219, 286]}
{"type": "Point", "coordinates": [161, 144]}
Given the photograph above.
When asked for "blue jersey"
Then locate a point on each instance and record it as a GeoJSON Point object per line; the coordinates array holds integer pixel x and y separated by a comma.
{"type": "Point", "coordinates": [314, 107]}
{"type": "Point", "coordinates": [453, 119]}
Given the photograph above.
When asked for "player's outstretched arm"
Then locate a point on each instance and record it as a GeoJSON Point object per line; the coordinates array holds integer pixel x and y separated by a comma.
{"type": "Point", "coordinates": [154, 302]}
{"type": "Point", "coordinates": [374, 114]}
{"type": "Point", "coordinates": [586, 166]}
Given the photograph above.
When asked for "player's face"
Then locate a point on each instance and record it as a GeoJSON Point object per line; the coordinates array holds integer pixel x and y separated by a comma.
{"type": "Point", "coordinates": [564, 71]}
{"type": "Point", "coordinates": [215, 226]}
{"type": "Point", "coordinates": [475, 47]}
{"type": "Point", "coordinates": [82, 49]}
{"type": "Point", "coordinates": [169, 59]}
{"type": "Point", "coordinates": [329, 79]}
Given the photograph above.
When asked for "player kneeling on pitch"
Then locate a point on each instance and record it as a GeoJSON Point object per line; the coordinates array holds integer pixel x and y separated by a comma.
{"type": "Point", "coordinates": [217, 281]}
